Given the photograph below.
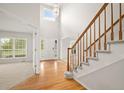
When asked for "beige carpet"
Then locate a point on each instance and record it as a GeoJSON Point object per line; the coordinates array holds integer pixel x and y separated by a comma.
{"type": "Point", "coordinates": [13, 73]}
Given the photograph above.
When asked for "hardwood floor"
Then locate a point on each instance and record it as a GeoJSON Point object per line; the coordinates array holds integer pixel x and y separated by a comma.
{"type": "Point", "coordinates": [51, 78]}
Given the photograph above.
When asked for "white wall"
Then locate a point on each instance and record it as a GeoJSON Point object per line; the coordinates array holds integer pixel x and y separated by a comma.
{"type": "Point", "coordinates": [19, 20]}
{"type": "Point", "coordinates": [64, 45]}
{"type": "Point", "coordinates": [9, 23]}
{"type": "Point", "coordinates": [19, 17]}
{"type": "Point", "coordinates": [74, 19]}
{"type": "Point", "coordinates": [19, 35]}
{"type": "Point", "coordinates": [28, 12]}
{"type": "Point", "coordinates": [50, 30]}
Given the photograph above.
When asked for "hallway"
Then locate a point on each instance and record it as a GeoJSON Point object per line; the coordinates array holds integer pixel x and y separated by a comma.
{"type": "Point", "coordinates": [51, 78]}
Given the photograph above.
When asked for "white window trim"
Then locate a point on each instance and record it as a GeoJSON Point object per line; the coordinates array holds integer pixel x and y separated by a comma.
{"type": "Point", "coordinates": [21, 49]}
{"type": "Point", "coordinates": [13, 56]}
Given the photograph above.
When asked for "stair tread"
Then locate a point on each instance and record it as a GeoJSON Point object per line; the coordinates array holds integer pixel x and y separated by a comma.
{"type": "Point", "coordinates": [94, 58]}
{"type": "Point", "coordinates": [86, 63]}
{"type": "Point", "coordinates": [103, 51]}
{"type": "Point", "coordinates": [114, 42]}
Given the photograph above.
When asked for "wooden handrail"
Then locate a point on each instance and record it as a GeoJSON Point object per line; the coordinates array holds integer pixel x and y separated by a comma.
{"type": "Point", "coordinates": [99, 12]}
{"type": "Point", "coordinates": [106, 31]}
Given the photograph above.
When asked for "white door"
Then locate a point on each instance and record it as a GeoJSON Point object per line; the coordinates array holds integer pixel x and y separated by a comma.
{"type": "Point", "coordinates": [50, 49]}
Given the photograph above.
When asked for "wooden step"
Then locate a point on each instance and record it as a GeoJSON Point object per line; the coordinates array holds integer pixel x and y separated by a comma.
{"type": "Point", "coordinates": [115, 42]}
{"type": "Point", "coordinates": [103, 51]}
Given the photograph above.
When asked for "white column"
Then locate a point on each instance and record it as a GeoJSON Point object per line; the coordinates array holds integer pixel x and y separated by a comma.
{"type": "Point", "coordinates": [36, 51]}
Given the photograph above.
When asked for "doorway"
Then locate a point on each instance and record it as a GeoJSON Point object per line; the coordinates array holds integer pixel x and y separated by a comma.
{"type": "Point", "coordinates": [49, 49]}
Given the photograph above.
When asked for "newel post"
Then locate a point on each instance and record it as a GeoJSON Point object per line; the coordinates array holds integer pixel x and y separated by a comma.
{"type": "Point", "coordinates": [68, 74]}
{"type": "Point", "coordinates": [68, 65]}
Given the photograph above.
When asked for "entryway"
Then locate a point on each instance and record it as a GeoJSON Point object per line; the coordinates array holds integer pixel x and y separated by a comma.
{"type": "Point", "coordinates": [49, 49]}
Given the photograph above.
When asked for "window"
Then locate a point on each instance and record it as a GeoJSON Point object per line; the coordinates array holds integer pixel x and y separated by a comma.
{"type": "Point", "coordinates": [50, 14]}
{"type": "Point", "coordinates": [42, 44]}
{"type": "Point", "coordinates": [20, 48]}
{"type": "Point", "coordinates": [6, 47]}
{"type": "Point", "coordinates": [13, 47]}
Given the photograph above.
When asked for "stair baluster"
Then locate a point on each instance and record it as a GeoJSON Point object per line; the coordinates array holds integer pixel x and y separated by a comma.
{"type": "Point", "coordinates": [105, 45]}
{"type": "Point", "coordinates": [78, 58]}
{"type": "Point", "coordinates": [94, 40]}
{"type": "Point", "coordinates": [90, 42]}
{"type": "Point", "coordinates": [86, 47]}
{"type": "Point", "coordinates": [120, 23]}
{"type": "Point", "coordinates": [99, 46]}
{"type": "Point", "coordinates": [112, 32]}
{"type": "Point", "coordinates": [83, 50]}
{"type": "Point", "coordinates": [80, 52]}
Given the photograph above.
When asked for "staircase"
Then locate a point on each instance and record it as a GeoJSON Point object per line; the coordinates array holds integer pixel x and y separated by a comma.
{"type": "Point", "coordinates": [99, 47]}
